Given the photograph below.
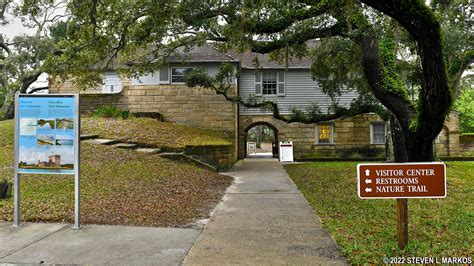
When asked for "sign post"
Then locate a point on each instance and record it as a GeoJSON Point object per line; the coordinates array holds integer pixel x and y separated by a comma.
{"type": "Point", "coordinates": [401, 181]}
{"type": "Point", "coordinates": [47, 141]}
{"type": "Point", "coordinates": [402, 223]}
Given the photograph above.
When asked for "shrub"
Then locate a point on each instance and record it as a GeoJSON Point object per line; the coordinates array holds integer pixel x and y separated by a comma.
{"type": "Point", "coordinates": [297, 115]}
{"type": "Point", "coordinates": [313, 112]}
{"type": "Point", "coordinates": [109, 111]}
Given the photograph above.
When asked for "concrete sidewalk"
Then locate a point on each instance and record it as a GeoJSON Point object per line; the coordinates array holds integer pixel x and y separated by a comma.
{"type": "Point", "coordinates": [36, 243]}
{"type": "Point", "coordinates": [264, 219]}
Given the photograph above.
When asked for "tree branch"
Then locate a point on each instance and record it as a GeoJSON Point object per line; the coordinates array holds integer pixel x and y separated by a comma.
{"type": "Point", "coordinates": [28, 80]}
{"type": "Point", "coordinates": [275, 25]}
{"type": "Point", "coordinates": [456, 74]}
{"type": "Point", "coordinates": [301, 37]}
{"type": "Point", "coordinates": [5, 47]}
{"type": "Point", "coordinates": [422, 24]}
{"type": "Point", "coordinates": [375, 75]}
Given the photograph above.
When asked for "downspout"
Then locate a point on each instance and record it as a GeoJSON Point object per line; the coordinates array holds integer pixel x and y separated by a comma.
{"type": "Point", "coordinates": [237, 76]}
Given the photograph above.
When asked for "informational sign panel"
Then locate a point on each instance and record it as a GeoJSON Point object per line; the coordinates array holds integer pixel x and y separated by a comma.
{"type": "Point", "coordinates": [47, 140]}
{"type": "Point", "coordinates": [47, 134]}
{"type": "Point", "coordinates": [251, 147]}
{"type": "Point", "coordinates": [286, 151]}
{"type": "Point", "coordinates": [401, 180]}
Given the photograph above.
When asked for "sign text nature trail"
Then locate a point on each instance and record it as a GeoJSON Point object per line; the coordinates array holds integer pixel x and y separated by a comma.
{"type": "Point", "coordinates": [402, 180]}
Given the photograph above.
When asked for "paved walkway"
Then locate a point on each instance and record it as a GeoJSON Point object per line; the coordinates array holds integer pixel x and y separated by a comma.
{"type": "Point", "coordinates": [36, 243]}
{"type": "Point", "coordinates": [264, 219]}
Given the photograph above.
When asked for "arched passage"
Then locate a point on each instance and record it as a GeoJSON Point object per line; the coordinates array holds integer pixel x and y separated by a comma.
{"type": "Point", "coordinates": [442, 142]}
{"type": "Point", "coordinates": [261, 140]}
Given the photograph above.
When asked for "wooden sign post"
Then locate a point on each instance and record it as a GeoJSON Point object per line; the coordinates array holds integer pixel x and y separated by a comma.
{"type": "Point", "coordinates": [401, 181]}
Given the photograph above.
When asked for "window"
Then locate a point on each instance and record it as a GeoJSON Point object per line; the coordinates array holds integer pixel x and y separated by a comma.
{"type": "Point", "coordinates": [324, 134]}
{"type": "Point", "coordinates": [269, 82]}
{"type": "Point", "coordinates": [152, 78]}
{"type": "Point", "coordinates": [111, 84]}
{"type": "Point", "coordinates": [377, 133]}
{"type": "Point", "coordinates": [177, 74]}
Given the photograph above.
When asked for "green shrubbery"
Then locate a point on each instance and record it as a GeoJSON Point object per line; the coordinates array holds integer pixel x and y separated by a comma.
{"type": "Point", "coordinates": [465, 105]}
{"type": "Point", "coordinates": [313, 113]}
{"type": "Point", "coordinates": [109, 111]}
{"type": "Point", "coordinates": [2, 96]}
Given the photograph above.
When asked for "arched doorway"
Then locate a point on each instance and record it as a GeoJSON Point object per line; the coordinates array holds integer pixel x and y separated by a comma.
{"type": "Point", "coordinates": [261, 141]}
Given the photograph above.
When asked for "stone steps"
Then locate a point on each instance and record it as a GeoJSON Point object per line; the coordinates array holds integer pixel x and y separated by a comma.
{"type": "Point", "coordinates": [91, 138]}
{"type": "Point", "coordinates": [104, 141]}
{"type": "Point", "coordinates": [129, 146]}
{"type": "Point", "coordinates": [148, 150]}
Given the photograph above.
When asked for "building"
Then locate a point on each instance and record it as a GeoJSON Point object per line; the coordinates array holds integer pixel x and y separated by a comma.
{"type": "Point", "coordinates": [289, 85]}
{"type": "Point", "coordinates": [53, 161]}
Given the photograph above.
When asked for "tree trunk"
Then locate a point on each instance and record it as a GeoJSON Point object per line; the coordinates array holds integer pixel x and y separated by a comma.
{"type": "Point", "coordinates": [8, 108]}
{"type": "Point", "coordinates": [419, 149]}
{"type": "Point", "coordinates": [408, 146]}
{"type": "Point", "coordinates": [398, 141]}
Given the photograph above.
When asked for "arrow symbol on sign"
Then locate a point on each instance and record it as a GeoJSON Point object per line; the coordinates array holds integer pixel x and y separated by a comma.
{"type": "Point", "coordinates": [367, 172]}
{"type": "Point", "coordinates": [368, 189]}
{"type": "Point", "coordinates": [368, 181]}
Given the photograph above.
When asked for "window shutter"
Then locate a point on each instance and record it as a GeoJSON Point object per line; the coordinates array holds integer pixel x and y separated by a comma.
{"type": "Point", "coordinates": [281, 83]}
{"type": "Point", "coordinates": [164, 75]}
{"type": "Point", "coordinates": [258, 83]}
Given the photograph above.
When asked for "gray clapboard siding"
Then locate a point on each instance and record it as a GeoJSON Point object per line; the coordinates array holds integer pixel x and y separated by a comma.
{"type": "Point", "coordinates": [300, 91]}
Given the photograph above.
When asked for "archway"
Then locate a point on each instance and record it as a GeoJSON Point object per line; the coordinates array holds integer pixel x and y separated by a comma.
{"type": "Point", "coordinates": [261, 141]}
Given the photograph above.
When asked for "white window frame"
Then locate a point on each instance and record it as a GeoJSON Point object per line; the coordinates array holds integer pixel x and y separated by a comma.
{"type": "Point", "coordinates": [111, 80]}
{"type": "Point", "coordinates": [275, 73]}
{"type": "Point", "coordinates": [372, 141]}
{"type": "Point", "coordinates": [331, 133]}
{"type": "Point", "coordinates": [171, 74]}
{"type": "Point", "coordinates": [280, 84]}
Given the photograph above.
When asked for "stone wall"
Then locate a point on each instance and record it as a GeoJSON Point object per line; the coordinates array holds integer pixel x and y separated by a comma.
{"type": "Point", "coordinates": [196, 107]}
{"type": "Point", "coordinates": [448, 142]}
{"type": "Point", "coordinates": [222, 157]}
{"type": "Point", "coordinates": [351, 137]}
{"type": "Point", "coordinates": [466, 145]}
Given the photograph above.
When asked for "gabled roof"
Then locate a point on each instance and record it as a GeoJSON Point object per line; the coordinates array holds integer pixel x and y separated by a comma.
{"type": "Point", "coordinates": [248, 60]}
{"type": "Point", "coordinates": [204, 53]}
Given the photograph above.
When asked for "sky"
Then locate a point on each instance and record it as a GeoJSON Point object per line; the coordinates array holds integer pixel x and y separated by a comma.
{"type": "Point", "coordinates": [14, 28]}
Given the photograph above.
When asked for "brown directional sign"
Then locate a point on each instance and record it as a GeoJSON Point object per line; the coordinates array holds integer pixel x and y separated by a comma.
{"type": "Point", "coordinates": [401, 180]}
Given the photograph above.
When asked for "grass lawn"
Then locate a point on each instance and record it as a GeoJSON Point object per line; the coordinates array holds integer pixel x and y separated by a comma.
{"type": "Point", "coordinates": [147, 131]}
{"type": "Point", "coordinates": [365, 229]}
{"type": "Point", "coordinates": [118, 186]}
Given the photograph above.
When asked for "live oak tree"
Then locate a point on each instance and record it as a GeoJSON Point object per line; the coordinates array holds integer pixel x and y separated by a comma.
{"type": "Point", "coordinates": [137, 36]}
{"type": "Point", "coordinates": [22, 59]}
{"type": "Point", "coordinates": [283, 28]}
